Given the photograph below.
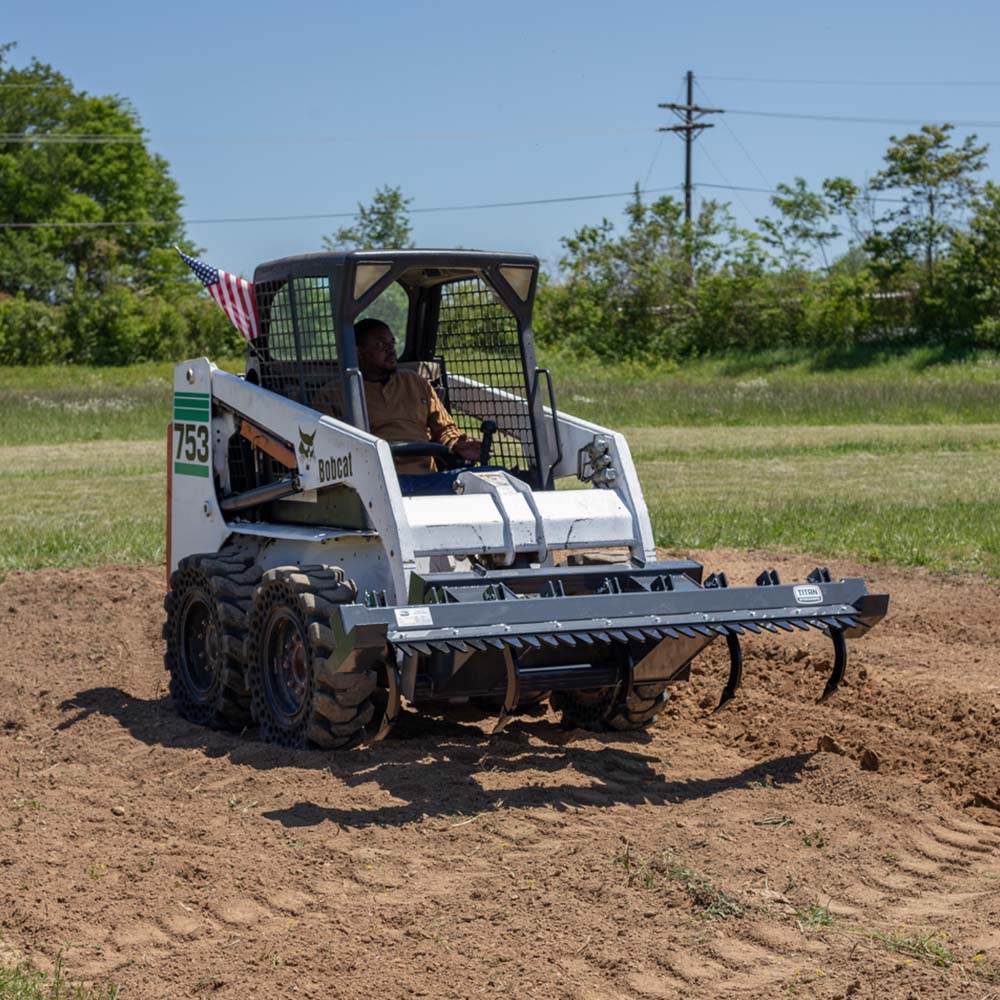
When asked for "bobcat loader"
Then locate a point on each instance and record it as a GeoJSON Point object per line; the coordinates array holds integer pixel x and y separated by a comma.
{"type": "Point", "coordinates": [309, 595]}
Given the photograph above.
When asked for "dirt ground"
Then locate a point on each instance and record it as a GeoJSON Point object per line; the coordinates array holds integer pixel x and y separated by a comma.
{"type": "Point", "coordinates": [719, 855]}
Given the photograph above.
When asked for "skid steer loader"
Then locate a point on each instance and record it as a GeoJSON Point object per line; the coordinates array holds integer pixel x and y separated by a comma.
{"type": "Point", "coordinates": [309, 596]}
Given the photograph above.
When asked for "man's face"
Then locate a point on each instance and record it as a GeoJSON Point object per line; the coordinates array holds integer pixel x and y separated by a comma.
{"type": "Point", "coordinates": [377, 353]}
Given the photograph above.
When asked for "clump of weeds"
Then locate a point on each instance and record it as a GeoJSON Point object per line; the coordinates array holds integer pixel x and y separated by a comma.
{"type": "Point", "coordinates": [709, 900]}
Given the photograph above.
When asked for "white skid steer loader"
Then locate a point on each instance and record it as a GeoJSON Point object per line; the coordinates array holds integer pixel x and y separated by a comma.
{"type": "Point", "coordinates": [310, 593]}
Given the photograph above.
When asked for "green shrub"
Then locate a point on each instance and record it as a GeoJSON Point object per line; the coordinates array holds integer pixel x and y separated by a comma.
{"type": "Point", "coordinates": [117, 327]}
{"type": "Point", "coordinates": [31, 333]}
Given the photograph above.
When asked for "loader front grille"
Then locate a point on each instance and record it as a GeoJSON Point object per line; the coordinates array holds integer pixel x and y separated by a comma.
{"type": "Point", "coordinates": [478, 339]}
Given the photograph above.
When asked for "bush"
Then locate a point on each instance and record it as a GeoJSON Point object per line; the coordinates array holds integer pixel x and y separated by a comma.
{"type": "Point", "coordinates": [31, 333]}
{"type": "Point", "coordinates": [115, 328]}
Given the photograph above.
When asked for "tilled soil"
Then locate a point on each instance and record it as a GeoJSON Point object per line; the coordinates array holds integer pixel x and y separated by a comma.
{"type": "Point", "coordinates": [717, 855]}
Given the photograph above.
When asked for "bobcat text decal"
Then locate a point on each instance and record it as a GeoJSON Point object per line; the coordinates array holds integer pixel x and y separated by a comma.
{"type": "Point", "coordinates": [333, 469]}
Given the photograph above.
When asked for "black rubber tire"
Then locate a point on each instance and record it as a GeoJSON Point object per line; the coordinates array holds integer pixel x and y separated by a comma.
{"type": "Point", "coordinates": [595, 710]}
{"type": "Point", "coordinates": [302, 701]}
{"type": "Point", "coordinates": [207, 608]}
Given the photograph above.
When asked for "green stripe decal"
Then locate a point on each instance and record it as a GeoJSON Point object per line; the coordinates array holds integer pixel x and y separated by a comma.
{"type": "Point", "coordinates": [188, 469]}
{"type": "Point", "coordinates": [195, 406]}
{"type": "Point", "coordinates": [186, 414]}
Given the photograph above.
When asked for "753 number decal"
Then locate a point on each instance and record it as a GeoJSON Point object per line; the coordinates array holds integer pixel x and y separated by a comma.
{"type": "Point", "coordinates": [192, 442]}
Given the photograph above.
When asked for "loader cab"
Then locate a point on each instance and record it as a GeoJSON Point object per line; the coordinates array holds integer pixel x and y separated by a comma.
{"type": "Point", "coordinates": [460, 318]}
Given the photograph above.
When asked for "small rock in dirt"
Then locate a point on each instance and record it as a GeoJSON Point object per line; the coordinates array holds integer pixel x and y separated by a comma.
{"type": "Point", "coordinates": [827, 744]}
{"type": "Point", "coordinates": [117, 811]}
{"type": "Point", "coordinates": [707, 702]}
{"type": "Point", "coordinates": [870, 761]}
{"type": "Point", "coordinates": [852, 987]}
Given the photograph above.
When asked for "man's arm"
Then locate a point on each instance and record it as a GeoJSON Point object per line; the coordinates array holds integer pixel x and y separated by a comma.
{"type": "Point", "coordinates": [444, 430]}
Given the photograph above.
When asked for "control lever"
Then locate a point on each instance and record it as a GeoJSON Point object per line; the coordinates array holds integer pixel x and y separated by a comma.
{"type": "Point", "coordinates": [488, 428]}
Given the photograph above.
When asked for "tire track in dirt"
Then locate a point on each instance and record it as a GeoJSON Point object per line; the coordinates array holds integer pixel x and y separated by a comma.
{"type": "Point", "coordinates": [717, 855]}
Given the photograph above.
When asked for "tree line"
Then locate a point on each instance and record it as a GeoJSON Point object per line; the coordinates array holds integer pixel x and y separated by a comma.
{"type": "Point", "coordinates": [910, 257]}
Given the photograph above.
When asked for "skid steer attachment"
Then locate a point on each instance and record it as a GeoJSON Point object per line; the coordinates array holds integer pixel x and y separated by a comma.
{"type": "Point", "coordinates": [613, 629]}
{"type": "Point", "coordinates": [313, 589]}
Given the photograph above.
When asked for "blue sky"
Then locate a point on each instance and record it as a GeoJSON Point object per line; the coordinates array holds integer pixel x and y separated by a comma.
{"type": "Point", "coordinates": [274, 110]}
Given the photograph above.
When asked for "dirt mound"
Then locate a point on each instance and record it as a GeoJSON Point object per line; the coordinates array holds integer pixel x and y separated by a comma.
{"type": "Point", "coordinates": [718, 855]}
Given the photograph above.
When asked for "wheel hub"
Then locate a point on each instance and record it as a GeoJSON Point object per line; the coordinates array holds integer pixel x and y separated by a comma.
{"type": "Point", "coordinates": [200, 647]}
{"type": "Point", "coordinates": [286, 667]}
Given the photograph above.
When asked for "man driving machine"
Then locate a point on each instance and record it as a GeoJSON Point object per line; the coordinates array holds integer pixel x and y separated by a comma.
{"type": "Point", "coordinates": [402, 405]}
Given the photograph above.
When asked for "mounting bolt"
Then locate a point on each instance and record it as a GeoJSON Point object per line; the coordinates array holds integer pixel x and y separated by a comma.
{"type": "Point", "coordinates": [207, 508]}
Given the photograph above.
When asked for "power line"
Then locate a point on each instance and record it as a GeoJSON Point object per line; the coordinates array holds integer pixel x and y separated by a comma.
{"type": "Point", "coordinates": [33, 138]}
{"type": "Point", "coordinates": [767, 190]}
{"type": "Point", "coordinates": [85, 138]}
{"type": "Point", "coordinates": [74, 138]}
{"type": "Point", "coordinates": [746, 151]}
{"type": "Point", "coordinates": [857, 83]}
{"type": "Point", "coordinates": [727, 185]}
{"type": "Point", "coordinates": [652, 163]}
{"type": "Point", "coordinates": [659, 145]}
{"type": "Point", "coordinates": [332, 215]}
{"type": "Point", "coordinates": [860, 120]}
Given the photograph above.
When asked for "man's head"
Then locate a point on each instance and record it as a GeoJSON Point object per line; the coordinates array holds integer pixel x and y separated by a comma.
{"type": "Point", "coordinates": [376, 349]}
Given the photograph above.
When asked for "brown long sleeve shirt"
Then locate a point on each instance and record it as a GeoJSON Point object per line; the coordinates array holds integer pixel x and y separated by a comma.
{"type": "Point", "coordinates": [403, 408]}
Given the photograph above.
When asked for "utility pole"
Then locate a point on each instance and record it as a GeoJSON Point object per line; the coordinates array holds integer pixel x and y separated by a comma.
{"type": "Point", "coordinates": [690, 128]}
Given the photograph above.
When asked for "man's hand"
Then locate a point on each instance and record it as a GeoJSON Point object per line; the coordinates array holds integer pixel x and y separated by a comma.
{"type": "Point", "coordinates": [468, 448]}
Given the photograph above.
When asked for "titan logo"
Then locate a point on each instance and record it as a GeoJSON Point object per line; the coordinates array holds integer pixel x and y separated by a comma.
{"type": "Point", "coordinates": [332, 470]}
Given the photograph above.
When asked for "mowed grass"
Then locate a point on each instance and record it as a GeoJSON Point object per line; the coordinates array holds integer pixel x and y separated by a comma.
{"type": "Point", "coordinates": [55, 404]}
{"type": "Point", "coordinates": [927, 496]}
{"type": "Point", "coordinates": [780, 389]}
{"type": "Point", "coordinates": [919, 496]}
{"type": "Point", "coordinates": [895, 461]}
{"type": "Point", "coordinates": [82, 504]}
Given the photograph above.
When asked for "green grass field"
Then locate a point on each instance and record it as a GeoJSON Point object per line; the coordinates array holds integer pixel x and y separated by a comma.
{"type": "Point", "coordinates": [898, 461]}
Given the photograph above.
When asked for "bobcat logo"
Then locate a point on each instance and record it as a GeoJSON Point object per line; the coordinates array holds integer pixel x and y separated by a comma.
{"type": "Point", "coordinates": [306, 444]}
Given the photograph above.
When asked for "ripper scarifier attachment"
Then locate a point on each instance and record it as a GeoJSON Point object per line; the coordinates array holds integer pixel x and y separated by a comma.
{"type": "Point", "coordinates": [519, 632]}
{"type": "Point", "coordinates": [339, 594]}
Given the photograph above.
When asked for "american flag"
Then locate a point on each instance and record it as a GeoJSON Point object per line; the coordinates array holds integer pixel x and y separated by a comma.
{"type": "Point", "coordinates": [234, 295]}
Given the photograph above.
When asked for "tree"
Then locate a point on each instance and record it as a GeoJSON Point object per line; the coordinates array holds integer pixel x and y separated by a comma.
{"type": "Point", "coordinates": [974, 270]}
{"type": "Point", "coordinates": [803, 225]}
{"type": "Point", "coordinates": [635, 294]}
{"type": "Point", "coordinates": [382, 225]}
{"type": "Point", "coordinates": [47, 175]}
{"type": "Point", "coordinates": [937, 181]}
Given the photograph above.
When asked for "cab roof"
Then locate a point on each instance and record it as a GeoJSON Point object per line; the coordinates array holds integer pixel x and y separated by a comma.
{"type": "Point", "coordinates": [423, 267]}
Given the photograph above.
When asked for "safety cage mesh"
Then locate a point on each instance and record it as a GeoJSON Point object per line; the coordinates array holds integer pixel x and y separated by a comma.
{"type": "Point", "coordinates": [296, 351]}
{"type": "Point", "coordinates": [477, 338]}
